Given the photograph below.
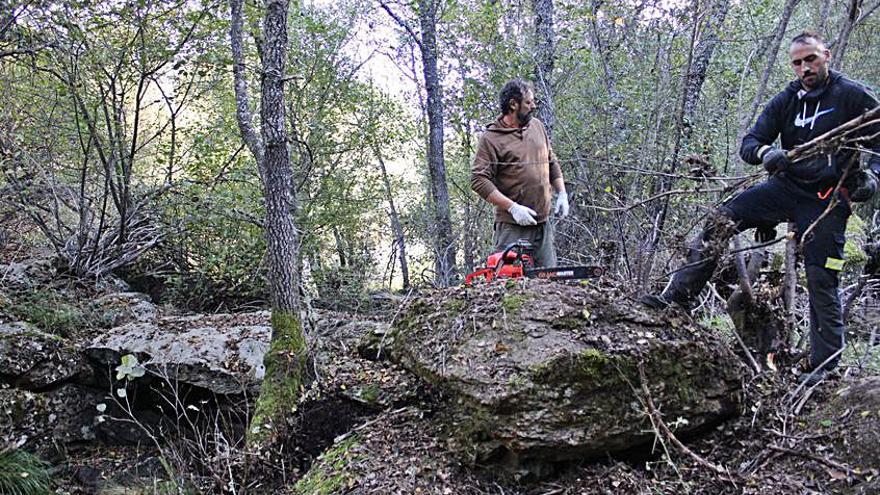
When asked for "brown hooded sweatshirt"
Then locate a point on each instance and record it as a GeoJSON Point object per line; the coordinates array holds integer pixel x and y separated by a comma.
{"type": "Point", "coordinates": [519, 162]}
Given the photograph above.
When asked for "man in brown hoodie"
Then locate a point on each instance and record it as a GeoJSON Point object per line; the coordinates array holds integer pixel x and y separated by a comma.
{"type": "Point", "coordinates": [514, 170]}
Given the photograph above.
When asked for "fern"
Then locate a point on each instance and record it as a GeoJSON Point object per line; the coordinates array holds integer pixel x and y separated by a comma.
{"type": "Point", "coordinates": [22, 473]}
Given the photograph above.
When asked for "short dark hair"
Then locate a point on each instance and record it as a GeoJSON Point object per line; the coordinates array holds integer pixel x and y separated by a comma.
{"type": "Point", "coordinates": [806, 36]}
{"type": "Point", "coordinates": [515, 89]}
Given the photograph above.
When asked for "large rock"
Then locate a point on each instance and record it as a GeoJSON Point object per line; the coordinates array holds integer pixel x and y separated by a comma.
{"type": "Point", "coordinates": [540, 371]}
{"type": "Point", "coordinates": [221, 353]}
{"type": "Point", "coordinates": [399, 451]}
{"type": "Point", "coordinates": [121, 308]}
{"type": "Point", "coordinates": [35, 360]}
{"type": "Point", "coordinates": [851, 419]}
{"type": "Point", "coordinates": [346, 356]}
{"type": "Point", "coordinates": [70, 415]}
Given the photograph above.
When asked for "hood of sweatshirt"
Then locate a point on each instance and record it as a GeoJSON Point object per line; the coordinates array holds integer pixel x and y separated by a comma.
{"type": "Point", "coordinates": [814, 94]}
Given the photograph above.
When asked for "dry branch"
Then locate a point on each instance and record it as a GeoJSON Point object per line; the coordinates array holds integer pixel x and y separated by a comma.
{"type": "Point", "coordinates": [835, 137]}
{"type": "Point", "coordinates": [664, 428]}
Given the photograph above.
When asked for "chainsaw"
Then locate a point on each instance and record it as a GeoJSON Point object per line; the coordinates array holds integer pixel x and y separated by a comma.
{"type": "Point", "coordinates": [516, 261]}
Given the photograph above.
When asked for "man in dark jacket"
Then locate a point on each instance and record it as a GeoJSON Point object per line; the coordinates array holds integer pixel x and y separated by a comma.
{"type": "Point", "coordinates": [514, 169]}
{"type": "Point", "coordinates": [816, 102]}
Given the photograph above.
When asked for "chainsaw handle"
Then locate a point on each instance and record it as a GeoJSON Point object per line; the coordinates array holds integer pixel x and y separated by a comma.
{"type": "Point", "coordinates": [522, 246]}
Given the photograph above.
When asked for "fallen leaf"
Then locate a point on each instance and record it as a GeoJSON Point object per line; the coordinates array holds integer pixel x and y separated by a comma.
{"type": "Point", "coordinates": [836, 475]}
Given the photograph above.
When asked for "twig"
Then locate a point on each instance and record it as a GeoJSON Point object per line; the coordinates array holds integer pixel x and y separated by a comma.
{"type": "Point", "coordinates": [746, 350]}
{"type": "Point", "coordinates": [823, 460]}
{"type": "Point", "coordinates": [656, 197]}
{"type": "Point", "coordinates": [803, 150]}
{"type": "Point", "coordinates": [871, 341]}
{"type": "Point", "coordinates": [649, 401]}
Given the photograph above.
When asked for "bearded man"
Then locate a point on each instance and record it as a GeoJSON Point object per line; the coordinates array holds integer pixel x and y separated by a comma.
{"type": "Point", "coordinates": [818, 101]}
{"type": "Point", "coordinates": [514, 169]}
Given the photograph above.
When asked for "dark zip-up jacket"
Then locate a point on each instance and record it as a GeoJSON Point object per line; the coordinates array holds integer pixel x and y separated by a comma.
{"type": "Point", "coordinates": [797, 116]}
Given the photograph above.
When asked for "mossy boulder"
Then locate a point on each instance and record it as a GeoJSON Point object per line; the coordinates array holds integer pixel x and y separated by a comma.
{"type": "Point", "coordinates": [542, 372]}
{"type": "Point", "coordinates": [851, 418]}
{"type": "Point", "coordinates": [399, 451]}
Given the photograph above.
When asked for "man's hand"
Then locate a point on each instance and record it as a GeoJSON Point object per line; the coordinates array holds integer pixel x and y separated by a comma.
{"type": "Point", "coordinates": [562, 204]}
{"type": "Point", "coordinates": [775, 160]}
{"type": "Point", "coordinates": [866, 186]}
{"type": "Point", "coordinates": [523, 215]}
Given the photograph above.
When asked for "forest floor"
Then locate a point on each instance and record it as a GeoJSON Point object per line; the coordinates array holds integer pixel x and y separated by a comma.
{"type": "Point", "coordinates": [369, 425]}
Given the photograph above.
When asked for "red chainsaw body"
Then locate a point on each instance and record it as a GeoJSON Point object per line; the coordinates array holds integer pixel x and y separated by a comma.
{"type": "Point", "coordinates": [511, 266]}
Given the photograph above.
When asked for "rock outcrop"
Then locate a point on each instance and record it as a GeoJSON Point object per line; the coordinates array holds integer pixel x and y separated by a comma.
{"type": "Point", "coordinates": [34, 360]}
{"type": "Point", "coordinates": [121, 308]}
{"type": "Point", "coordinates": [220, 353]}
{"type": "Point", "coordinates": [540, 372]}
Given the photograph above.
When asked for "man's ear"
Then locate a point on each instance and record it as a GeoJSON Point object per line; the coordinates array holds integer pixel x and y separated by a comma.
{"type": "Point", "coordinates": [511, 105]}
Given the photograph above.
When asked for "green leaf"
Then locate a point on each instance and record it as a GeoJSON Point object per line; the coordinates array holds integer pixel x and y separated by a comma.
{"type": "Point", "coordinates": [129, 368]}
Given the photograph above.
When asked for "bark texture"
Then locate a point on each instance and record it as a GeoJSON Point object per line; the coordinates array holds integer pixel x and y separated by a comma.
{"type": "Point", "coordinates": [444, 240]}
{"type": "Point", "coordinates": [849, 24]}
{"type": "Point", "coordinates": [286, 359]}
{"type": "Point", "coordinates": [545, 58]}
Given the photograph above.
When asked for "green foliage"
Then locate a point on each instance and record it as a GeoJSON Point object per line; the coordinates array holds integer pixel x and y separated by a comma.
{"type": "Point", "coordinates": [22, 473]}
{"type": "Point", "coordinates": [344, 287]}
{"type": "Point", "coordinates": [214, 258]}
{"type": "Point", "coordinates": [512, 302]}
{"type": "Point", "coordinates": [129, 368]}
{"type": "Point", "coordinates": [856, 237]}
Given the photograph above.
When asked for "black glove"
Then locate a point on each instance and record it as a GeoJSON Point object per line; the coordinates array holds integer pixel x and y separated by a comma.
{"type": "Point", "coordinates": [775, 160]}
{"type": "Point", "coordinates": [866, 186]}
{"type": "Point", "coordinates": [765, 234]}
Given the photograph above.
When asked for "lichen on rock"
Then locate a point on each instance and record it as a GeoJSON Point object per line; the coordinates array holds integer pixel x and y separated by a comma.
{"type": "Point", "coordinates": [544, 372]}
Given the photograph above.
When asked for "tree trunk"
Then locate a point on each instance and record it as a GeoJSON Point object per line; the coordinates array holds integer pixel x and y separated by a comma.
{"type": "Point", "coordinates": [286, 359]}
{"type": "Point", "coordinates": [845, 32]}
{"type": "Point", "coordinates": [396, 228]}
{"type": "Point", "coordinates": [545, 41]}
{"type": "Point", "coordinates": [444, 241]}
{"type": "Point", "coordinates": [824, 13]}
{"type": "Point", "coordinates": [702, 48]}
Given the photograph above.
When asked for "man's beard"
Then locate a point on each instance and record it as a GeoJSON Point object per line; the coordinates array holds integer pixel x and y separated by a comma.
{"type": "Point", "coordinates": [524, 118]}
{"type": "Point", "coordinates": [819, 79]}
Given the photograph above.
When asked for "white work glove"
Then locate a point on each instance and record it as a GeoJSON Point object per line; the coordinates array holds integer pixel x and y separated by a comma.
{"type": "Point", "coordinates": [523, 215]}
{"type": "Point", "coordinates": [562, 204]}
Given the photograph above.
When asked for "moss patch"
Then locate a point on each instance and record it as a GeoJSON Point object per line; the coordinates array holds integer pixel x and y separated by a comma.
{"type": "Point", "coordinates": [330, 473]}
{"type": "Point", "coordinates": [592, 363]}
{"type": "Point", "coordinates": [589, 368]}
{"type": "Point", "coordinates": [285, 366]}
{"type": "Point", "coordinates": [512, 302]}
{"type": "Point", "coordinates": [370, 393]}
{"type": "Point", "coordinates": [50, 311]}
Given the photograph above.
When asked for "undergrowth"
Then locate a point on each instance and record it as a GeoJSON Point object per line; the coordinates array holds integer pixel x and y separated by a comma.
{"type": "Point", "coordinates": [22, 473]}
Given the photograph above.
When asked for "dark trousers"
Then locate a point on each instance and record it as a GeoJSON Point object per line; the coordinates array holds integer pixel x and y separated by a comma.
{"type": "Point", "coordinates": [766, 205]}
